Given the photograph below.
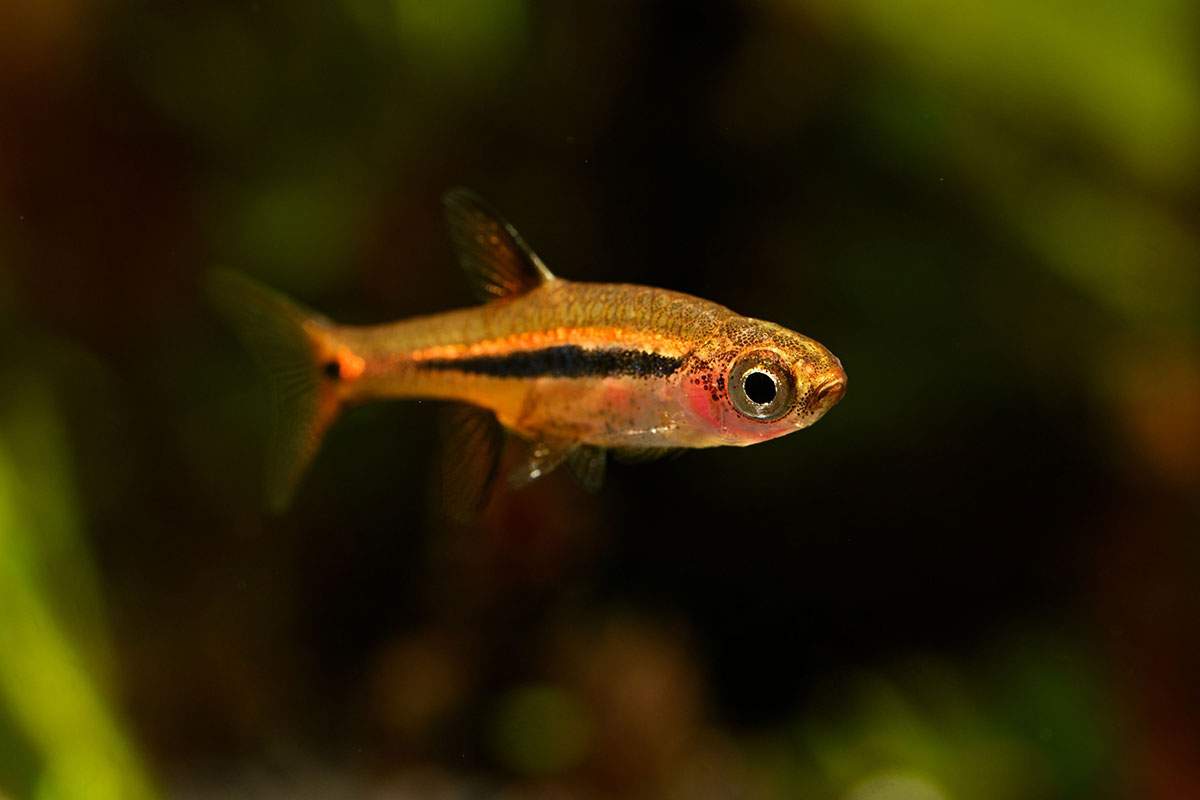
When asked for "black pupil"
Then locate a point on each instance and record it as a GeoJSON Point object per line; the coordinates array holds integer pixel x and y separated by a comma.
{"type": "Point", "coordinates": [760, 387]}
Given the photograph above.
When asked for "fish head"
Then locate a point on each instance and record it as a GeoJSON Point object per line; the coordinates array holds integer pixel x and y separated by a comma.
{"type": "Point", "coordinates": [755, 380]}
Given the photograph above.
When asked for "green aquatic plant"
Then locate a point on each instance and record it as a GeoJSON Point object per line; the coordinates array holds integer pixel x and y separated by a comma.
{"type": "Point", "coordinates": [59, 734]}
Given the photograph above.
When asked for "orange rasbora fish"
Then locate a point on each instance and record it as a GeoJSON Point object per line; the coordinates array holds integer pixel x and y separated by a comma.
{"type": "Point", "coordinates": [573, 369]}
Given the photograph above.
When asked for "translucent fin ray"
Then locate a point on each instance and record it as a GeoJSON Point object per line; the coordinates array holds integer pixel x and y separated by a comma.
{"type": "Point", "coordinates": [587, 464]}
{"type": "Point", "coordinates": [543, 458]}
{"type": "Point", "coordinates": [490, 251]}
{"type": "Point", "coordinates": [287, 340]}
{"type": "Point", "coordinates": [474, 445]}
{"type": "Point", "coordinates": [639, 455]}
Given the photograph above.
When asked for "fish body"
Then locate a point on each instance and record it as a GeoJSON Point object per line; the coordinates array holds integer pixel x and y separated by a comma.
{"type": "Point", "coordinates": [574, 369]}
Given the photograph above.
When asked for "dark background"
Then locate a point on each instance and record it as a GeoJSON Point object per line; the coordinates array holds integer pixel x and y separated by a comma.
{"type": "Point", "coordinates": [975, 578]}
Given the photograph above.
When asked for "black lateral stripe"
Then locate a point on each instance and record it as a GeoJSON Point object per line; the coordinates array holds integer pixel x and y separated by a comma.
{"type": "Point", "coordinates": [563, 361]}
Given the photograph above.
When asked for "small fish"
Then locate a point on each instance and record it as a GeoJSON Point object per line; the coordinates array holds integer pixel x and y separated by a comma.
{"type": "Point", "coordinates": [573, 369]}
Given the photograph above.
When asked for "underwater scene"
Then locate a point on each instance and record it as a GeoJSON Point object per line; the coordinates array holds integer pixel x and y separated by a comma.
{"type": "Point", "coordinates": [522, 399]}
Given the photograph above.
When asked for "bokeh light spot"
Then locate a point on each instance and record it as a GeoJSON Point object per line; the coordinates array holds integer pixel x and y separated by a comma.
{"type": "Point", "coordinates": [539, 730]}
{"type": "Point", "coordinates": [895, 786]}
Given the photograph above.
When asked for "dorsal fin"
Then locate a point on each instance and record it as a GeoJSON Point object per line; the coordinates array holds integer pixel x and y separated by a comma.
{"type": "Point", "coordinates": [497, 261]}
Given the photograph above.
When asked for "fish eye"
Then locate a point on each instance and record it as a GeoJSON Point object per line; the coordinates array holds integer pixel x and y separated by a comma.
{"type": "Point", "coordinates": [761, 386]}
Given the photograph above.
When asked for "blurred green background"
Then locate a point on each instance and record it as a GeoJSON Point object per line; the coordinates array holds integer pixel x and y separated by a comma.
{"type": "Point", "coordinates": [976, 578]}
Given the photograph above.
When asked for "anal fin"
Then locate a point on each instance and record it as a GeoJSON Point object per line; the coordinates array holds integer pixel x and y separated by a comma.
{"type": "Point", "coordinates": [474, 445]}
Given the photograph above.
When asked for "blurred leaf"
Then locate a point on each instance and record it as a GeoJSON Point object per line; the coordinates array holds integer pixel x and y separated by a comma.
{"type": "Point", "coordinates": [47, 675]}
{"type": "Point", "coordinates": [461, 44]}
{"type": "Point", "coordinates": [1123, 71]}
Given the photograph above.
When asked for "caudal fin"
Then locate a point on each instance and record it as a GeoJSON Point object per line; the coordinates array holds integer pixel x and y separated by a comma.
{"type": "Point", "coordinates": [291, 343]}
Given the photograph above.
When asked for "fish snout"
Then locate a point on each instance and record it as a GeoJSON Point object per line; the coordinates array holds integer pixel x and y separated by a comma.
{"type": "Point", "coordinates": [828, 393]}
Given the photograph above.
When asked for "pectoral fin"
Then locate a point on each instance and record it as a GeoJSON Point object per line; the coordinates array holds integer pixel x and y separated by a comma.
{"type": "Point", "coordinates": [544, 458]}
{"type": "Point", "coordinates": [587, 463]}
{"type": "Point", "coordinates": [640, 455]}
{"type": "Point", "coordinates": [474, 444]}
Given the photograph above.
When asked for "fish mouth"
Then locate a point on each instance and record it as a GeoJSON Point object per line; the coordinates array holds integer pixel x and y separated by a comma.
{"type": "Point", "coordinates": [824, 397]}
{"type": "Point", "coordinates": [828, 393]}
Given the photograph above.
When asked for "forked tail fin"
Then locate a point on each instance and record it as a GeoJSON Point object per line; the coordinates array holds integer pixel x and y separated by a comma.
{"type": "Point", "coordinates": [291, 343]}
